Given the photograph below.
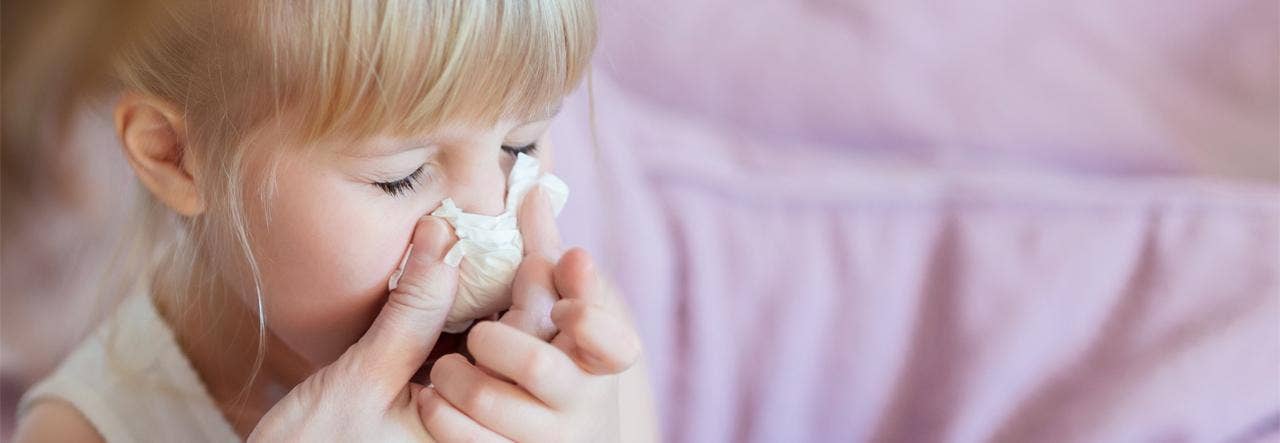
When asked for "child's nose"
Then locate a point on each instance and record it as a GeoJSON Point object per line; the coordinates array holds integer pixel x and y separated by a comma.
{"type": "Point", "coordinates": [478, 183]}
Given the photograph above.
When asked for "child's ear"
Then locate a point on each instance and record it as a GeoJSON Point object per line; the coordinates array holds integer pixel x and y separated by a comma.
{"type": "Point", "coordinates": [154, 136]}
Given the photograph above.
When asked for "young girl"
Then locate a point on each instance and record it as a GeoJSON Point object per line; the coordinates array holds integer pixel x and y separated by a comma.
{"type": "Point", "coordinates": [294, 152]}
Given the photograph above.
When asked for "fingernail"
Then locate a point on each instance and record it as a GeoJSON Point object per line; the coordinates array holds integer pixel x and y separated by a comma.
{"type": "Point", "coordinates": [395, 276]}
{"type": "Point", "coordinates": [436, 237]}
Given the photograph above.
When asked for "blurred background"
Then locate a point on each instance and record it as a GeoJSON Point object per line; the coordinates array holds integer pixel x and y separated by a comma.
{"type": "Point", "coordinates": [835, 220]}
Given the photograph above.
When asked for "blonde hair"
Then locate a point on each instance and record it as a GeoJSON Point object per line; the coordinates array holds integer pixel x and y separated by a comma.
{"type": "Point", "coordinates": [339, 69]}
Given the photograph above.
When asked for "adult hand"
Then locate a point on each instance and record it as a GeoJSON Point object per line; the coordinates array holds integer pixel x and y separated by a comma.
{"type": "Point", "coordinates": [367, 395]}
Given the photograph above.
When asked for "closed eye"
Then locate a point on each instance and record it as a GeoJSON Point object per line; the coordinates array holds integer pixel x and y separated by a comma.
{"type": "Point", "coordinates": [517, 150]}
{"type": "Point", "coordinates": [401, 186]}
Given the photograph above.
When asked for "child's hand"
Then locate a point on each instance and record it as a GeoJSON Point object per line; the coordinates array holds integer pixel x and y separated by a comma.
{"type": "Point", "coordinates": [521, 387]}
{"type": "Point", "coordinates": [564, 300]}
{"type": "Point", "coordinates": [524, 389]}
{"type": "Point", "coordinates": [593, 327]}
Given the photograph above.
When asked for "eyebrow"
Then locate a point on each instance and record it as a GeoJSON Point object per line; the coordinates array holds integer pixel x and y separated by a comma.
{"type": "Point", "coordinates": [376, 152]}
{"type": "Point", "coordinates": [548, 113]}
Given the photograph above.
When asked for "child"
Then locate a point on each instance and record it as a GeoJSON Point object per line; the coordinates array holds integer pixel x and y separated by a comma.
{"type": "Point", "coordinates": [294, 151]}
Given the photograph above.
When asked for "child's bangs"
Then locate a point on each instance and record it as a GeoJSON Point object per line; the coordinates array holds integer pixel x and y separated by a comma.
{"type": "Point", "coordinates": [406, 67]}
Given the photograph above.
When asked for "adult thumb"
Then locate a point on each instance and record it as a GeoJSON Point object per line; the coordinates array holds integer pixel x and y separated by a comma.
{"type": "Point", "coordinates": [404, 332]}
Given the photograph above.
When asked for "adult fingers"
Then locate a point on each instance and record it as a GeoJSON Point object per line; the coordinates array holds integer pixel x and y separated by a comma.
{"type": "Point", "coordinates": [407, 327]}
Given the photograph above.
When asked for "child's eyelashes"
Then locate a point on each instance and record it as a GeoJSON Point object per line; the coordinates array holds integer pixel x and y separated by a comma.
{"type": "Point", "coordinates": [516, 150]}
{"type": "Point", "coordinates": [401, 186]}
{"type": "Point", "coordinates": [407, 184]}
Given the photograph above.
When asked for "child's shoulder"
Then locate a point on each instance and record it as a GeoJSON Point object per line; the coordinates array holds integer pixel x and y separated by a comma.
{"type": "Point", "coordinates": [54, 420]}
{"type": "Point", "coordinates": [128, 381]}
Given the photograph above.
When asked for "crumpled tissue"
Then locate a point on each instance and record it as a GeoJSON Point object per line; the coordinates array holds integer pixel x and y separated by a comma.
{"type": "Point", "coordinates": [490, 248]}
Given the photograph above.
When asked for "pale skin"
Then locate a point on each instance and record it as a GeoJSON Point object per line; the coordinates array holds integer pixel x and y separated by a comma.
{"type": "Point", "coordinates": [563, 364]}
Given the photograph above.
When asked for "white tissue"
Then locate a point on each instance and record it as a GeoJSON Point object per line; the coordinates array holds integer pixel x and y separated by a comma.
{"type": "Point", "coordinates": [489, 248]}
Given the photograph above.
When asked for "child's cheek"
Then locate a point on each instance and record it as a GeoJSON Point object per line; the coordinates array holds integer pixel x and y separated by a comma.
{"type": "Point", "coordinates": [328, 275]}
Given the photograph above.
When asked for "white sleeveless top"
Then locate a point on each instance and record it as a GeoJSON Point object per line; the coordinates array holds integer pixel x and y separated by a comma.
{"type": "Point", "coordinates": [133, 383]}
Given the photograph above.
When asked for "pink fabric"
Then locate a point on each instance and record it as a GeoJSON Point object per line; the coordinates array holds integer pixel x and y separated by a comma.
{"type": "Point", "coordinates": [1125, 86]}
{"type": "Point", "coordinates": [812, 258]}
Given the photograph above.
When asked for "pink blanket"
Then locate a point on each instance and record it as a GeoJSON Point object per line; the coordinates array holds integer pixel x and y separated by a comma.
{"type": "Point", "coordinates": [824, 242]}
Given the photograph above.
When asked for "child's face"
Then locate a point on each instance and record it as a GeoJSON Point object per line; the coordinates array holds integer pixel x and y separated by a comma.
{"type": "Point", "coordinates": [340, 218]}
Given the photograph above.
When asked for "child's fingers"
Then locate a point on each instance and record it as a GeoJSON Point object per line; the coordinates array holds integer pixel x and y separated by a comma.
{"type": "Point", "coordinates": [533, 291]}
{"type": "Point", "coordinates": [537, 223]}
{"type": "Point", "coordinates": [495, 404]}
{"type": "Point", "coordinates": [576, 278]}
{"type": "Point", "coordinates": [600, 342]}
{"type": "Point", "coordinates": [446, 423]}
{"type": "Point", "coordinates": [532, 295]}
{"type": "Point", "coordinates": [546, 372]}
